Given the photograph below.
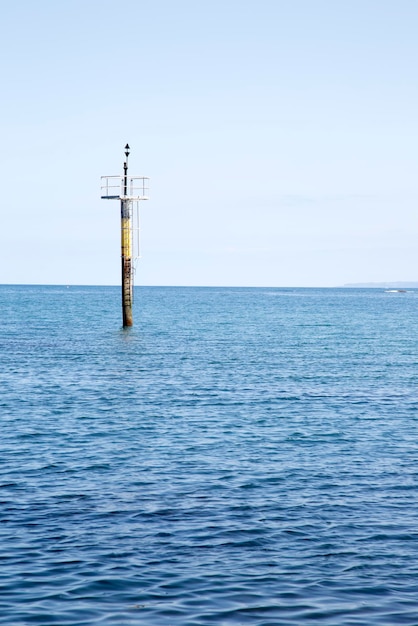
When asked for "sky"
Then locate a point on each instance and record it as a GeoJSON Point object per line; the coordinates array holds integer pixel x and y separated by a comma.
{"type": "Point", "coordinates": [280, 137]}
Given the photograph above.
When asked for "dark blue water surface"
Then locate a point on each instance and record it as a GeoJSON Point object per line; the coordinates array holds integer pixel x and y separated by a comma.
{"type": "Point", "coordinates": [241, 456]}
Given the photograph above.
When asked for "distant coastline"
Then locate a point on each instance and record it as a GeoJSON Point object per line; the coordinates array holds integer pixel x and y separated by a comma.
{"type": "Point", "coordinates": [389, 285]}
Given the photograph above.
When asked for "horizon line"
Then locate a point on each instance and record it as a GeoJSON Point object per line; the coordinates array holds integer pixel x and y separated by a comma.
{"type": "Point", "coordinates": [363, 285]}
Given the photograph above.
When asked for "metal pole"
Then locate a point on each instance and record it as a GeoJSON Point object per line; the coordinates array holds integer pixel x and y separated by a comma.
{"type": "Point", "coordinates": [126, 249]}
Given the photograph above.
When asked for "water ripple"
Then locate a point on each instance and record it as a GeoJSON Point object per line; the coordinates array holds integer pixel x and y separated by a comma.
{"type": "Point", "coordinates": [234, 459]}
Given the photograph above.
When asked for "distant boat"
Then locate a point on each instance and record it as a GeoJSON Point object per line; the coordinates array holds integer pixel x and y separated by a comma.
{"type": "Point", "coordinates": [395, 291]}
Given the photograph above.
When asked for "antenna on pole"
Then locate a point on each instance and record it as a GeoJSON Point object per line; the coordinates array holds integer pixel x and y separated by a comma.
{"type": "Point", "coordinates": [130, 191]}
{"type": "Point", "coordinates": [125, 170]}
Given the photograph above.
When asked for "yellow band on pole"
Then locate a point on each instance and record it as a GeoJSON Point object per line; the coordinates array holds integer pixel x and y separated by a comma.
{"type": "Point", "coordinates": [126, 253]}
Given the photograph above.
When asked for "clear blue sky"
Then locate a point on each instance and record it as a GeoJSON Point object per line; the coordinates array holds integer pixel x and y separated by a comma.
{"type": "Point", "coordinates": [281, 138]}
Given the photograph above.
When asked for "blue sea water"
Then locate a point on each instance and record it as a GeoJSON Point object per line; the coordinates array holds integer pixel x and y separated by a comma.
{"type": "Point", "coordinates": [240, 456]}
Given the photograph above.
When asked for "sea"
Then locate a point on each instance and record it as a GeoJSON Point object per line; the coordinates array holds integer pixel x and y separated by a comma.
{"type": "Point", "coordinates": [240, 456]}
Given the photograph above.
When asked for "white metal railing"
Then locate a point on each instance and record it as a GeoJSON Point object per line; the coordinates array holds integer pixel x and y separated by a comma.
{"type": "Point", "coordinates": [112, 187]}
{"type": "Point", "coordinates": [136, 231]}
